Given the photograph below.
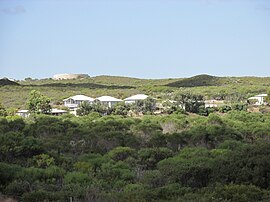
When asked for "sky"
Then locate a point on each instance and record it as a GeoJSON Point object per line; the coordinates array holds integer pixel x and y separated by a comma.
{"type": "Point", "coordinates": [136, 38]}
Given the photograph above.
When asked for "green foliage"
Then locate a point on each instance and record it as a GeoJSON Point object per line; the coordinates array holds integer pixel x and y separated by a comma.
{"type": "Point", "coordinates": [121, 153]}
{"type": "Point", "coordinates": [38, 103]}
{"type": "Point", "coordinates": [145, 106]}
{"type": "Point", "coordinates": [76, 178]}
{"type": "Point", "coordinates": [149, 157]}
{"type": "Point", "coordinates": [120, 109]}
{"type": "Point", "coordinates": [239, 193]}
{"type": "Point", "coordinates": [3, 111]}
{"type": "Point", "coordinates": [177, 157]}
{"type": "Point", "coordinates": [43, 160]}
{"type": "Point", "coordinates": [189, 102]}
{"type": "Point", "coordinates": [190, 168]}
{"type": "Point", "coordinates": [224, 109]}
{"type": "Point", "coordinates": [41, 195]}
{"type": "Point", "coordinates": [85, 108]}
{"type": "Point", "coordinates": [248, 165]}
{"type": "Point", "coordinates": [239, 107]}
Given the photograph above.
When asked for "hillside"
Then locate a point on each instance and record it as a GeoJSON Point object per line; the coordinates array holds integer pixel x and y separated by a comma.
{"type": "Point", "coordinates": [231, 88]}
{"type": "Point", "coordinates": [7, 82]}
{"type": "Point", "coordinates": [208, 80]}
{"type": "Point", "coordinates": [104, 80]}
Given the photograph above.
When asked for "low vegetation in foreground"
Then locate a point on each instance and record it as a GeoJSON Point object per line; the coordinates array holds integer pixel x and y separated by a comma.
{"type": "Point", "coordinates": [176, 157]}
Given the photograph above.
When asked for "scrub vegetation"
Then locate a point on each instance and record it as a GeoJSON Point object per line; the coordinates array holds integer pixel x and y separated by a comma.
{"type": "Point", "coordinates": [190, 154]}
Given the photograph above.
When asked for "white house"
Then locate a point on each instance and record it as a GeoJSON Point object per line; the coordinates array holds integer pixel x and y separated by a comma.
{"type": "Point", "coordinates": [213, 103]}
{"type": "Point", "coordinates": [259, 99]}
{"type": "Point", "coordinates": [108, 100]}
{"type": "Point", "coordinates": [74, 101]}
{"type": "Point", "coordinates": [134, 98]}
{"type": "Point", "coordinates": [57, 112]}
{"type": "Point", "coordinates": [23, 113]}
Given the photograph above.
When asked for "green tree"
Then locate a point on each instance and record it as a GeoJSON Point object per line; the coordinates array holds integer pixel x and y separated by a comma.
{"type": "Point", "coordinates": [149, 157]}
{"type": "Point", "coordinates": [3, 111]}
{"type": "Point", "coordinates": [189, 102]}
{"type": "Point", "coordinates": [121, 153]}
{"type": "Point", "coordinates": [86, 108]}
{"type": "Point", "coordinates": [43, 160]}
{"type": "Point", "coordinates": [38, 103]}
{"type": "Point", "coordinates": [120, 109]}
{"type": "Point", "coordinates": [145, 106]}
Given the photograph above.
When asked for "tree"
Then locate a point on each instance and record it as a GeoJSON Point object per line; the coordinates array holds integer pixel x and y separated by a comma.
{"type": "Point", "coordinates": [144, 106]}
{"type": "Point", "coordinates": [121, 153]}
{"type": "Point", "coordinates": [191, 167]}
{"type": "Point", "coordinates": [120, 109]}
{"type": "Point", "coordinates": [38, 103]}
{"type": "Point", "coordinates": [239, 107]}
{"type": "Point", "coordinates": [3, 111]}
{"type": "Point", "coordinates": [189, 102]}
{"type": "Point", "coordinates": [43, 160]}
{"type": "Point", "coordinates": [149, 157]}
{"type": "Point", "coordinates": [86, 108]}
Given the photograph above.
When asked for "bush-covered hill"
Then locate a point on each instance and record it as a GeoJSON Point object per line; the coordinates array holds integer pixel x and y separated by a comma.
{"type": "Point", "coordinates": [208, 80]}
{"type": "Point", "coordinates": [199, 80]}
{"type": "Point", "coordinates": [230, 88]}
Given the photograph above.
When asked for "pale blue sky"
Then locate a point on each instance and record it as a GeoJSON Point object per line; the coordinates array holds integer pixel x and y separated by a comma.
{"type": "Point", "coordinates": [138, 38]}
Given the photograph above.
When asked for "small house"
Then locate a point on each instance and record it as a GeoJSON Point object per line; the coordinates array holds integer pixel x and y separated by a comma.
{"type": "Point", "coordinates": [213, 103]}
{"type": "Point", "coordinates": [258, 99]}
{"type": "Point", "coordinates": [74, 101]}
{"type": "Point", "coordinates": [23, 113]}
{"type": "Point", "coordinates": [57, 112]}
{"type": "Point", "coordinates": [134, 98]}
{"type": "Point", "coordinates": [108, 100]}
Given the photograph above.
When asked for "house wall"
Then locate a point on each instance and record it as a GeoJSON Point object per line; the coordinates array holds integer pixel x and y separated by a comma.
{"type": "Point", "coordinates": [70, 103]}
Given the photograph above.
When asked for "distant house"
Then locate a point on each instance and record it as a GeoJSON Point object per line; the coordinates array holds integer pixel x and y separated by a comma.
{"type": "Point", "coordinates": [69, 76]}
{"type": "Point", "coordinates": [74, 101]}
{"type": "Point", "coordinates": [54, 112]}
{"type": "Point", "coordinates": [57, 112]}
{"type": "Point", "coordinates": [213, 103]}
{"type": "Point", "coordinates": [134, 98]}
{"type": "Point", "coordinates": [23, 113]}
{"type": "Point", "coordinates": [108, 100]}
{"type": "Point", "coordinates": [258, 99]}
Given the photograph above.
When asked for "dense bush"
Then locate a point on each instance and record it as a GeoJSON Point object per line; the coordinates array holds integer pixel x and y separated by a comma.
{"type": "Point", "coordinates": [176, 157]}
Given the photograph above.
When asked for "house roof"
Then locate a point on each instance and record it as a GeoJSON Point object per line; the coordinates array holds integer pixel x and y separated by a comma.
{"type": "Point", "coordinates": [137, 97]}
{"type": "Point", "coordinates": [261, 95]}
{"type": "Point", "coordinates": [23, 111]}
{"type": "Point", "coordinates": [80, 97]}
{"type": "Point", "coordinates": [252, 98]}
{"type": "Point", "coordinates": [108, 99]}
{"type": "Point", "coordinates": [258, 96]}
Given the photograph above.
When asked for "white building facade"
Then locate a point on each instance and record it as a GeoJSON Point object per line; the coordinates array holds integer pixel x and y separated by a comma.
{"type": "Point", "coordinates": [74, 101]}
{"type": "Point", "coordinates": [259, 99]}
{"type": "Point", "coordinates": [108, 100]}
{"type": "Point", "coordinates": [134, 98]}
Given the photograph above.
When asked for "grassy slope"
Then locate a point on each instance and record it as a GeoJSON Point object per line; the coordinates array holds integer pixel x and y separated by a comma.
{"type": "Point", "coordinates": [121, 87]}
